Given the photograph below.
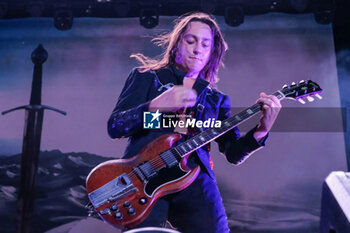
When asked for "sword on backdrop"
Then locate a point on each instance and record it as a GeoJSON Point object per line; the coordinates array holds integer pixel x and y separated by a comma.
{"type": "Point", "coordinates": [31, 142]}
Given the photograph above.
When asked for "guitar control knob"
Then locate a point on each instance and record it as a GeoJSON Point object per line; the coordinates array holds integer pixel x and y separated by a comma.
{"type": "Point", "coordinates": [114, 207]}
{"type": "Point", "coordinates": [131, 211]}
{"type": "Point", "coordinates": [143, 201]}
{"type": "Point", "coordinates": [119, 216]}
{"type": "Point", "coordinates": [127, 204]}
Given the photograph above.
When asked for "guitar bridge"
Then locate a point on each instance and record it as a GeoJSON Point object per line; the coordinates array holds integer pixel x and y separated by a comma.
{"type": "Point", "coordinates": [111, 191]}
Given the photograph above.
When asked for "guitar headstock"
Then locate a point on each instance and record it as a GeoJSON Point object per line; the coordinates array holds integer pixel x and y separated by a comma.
{"type": "Point", "coordinates": [301, 90]}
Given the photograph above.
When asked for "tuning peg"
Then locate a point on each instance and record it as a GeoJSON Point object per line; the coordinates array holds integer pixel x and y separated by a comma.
{"type": "Point", "coordinates": [284, 86]}
{"type": "Point", "coordinates": [293, 84]}
{"type": "Point", "coordinates": [302, 81]}
{"type": "Point", "coordinates": [301, 101]}
{"type": "Point", "coordinates": [318, 96]}
{"type": "Point", "coordinates": [310, 99]}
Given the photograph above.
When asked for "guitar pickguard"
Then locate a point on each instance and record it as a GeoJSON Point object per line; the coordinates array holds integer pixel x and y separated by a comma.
{"type": "Point", "coordinates": [165, 176]}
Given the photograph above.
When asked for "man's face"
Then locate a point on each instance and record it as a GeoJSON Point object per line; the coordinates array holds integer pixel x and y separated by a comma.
{"type": "Point", "coordinates": [194, 48]}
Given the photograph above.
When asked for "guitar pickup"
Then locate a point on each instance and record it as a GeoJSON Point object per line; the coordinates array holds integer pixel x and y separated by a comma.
{"type": "Point", "coordinates": [147, 170]}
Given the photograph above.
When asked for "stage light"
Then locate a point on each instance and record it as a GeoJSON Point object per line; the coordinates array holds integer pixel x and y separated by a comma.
{"type": "Point", "coordinates": [149, 17]}
{"type": "Point", "coordinates": [324, 11]}
{"type": "Point", "coordinates": [88, 10]}
{"type": "Point", "coordinates": [3, 9]}
{"type": "Point", "coordinates": [122, 7]}
{"type": "Point", "coordinates": [63, 19]}
{"type": "Point", "coordinates": [234, 15]}
{"type": "Point", "coordinates": [273, 6]}
{"type": "Point", "coordinates": [35, 8]}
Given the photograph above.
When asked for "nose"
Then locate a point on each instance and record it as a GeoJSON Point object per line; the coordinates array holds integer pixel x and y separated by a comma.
{"type": "Point", "coordinates": [197, 49]}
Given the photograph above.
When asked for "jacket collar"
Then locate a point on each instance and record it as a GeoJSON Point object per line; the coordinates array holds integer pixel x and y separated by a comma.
{"type": "Point", "coordinates": [170, 74]}
{"type": "Point", "coordinates": [180, 75]}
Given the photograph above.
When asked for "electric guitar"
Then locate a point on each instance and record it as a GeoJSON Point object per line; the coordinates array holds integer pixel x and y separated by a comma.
{"type": "Point", "coordinates": [124, 191]}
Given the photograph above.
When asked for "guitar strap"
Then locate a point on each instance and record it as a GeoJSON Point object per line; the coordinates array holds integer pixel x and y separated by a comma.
{"type": "Point", "coordinates": [199, 109]}
{"type": "Point", "coordinates": [202, 88]}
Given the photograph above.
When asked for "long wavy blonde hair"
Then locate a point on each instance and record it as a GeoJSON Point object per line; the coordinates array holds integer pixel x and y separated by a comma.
{"type": "Point", "coordinates": [170, 42]}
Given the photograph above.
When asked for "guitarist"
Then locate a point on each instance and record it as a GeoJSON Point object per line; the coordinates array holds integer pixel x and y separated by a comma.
{"type": "Point", "coordinates": [184, 78]}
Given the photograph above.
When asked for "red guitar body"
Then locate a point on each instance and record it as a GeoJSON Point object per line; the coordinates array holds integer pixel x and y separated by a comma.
{"type": "Point", "coordinates": [123, 191]}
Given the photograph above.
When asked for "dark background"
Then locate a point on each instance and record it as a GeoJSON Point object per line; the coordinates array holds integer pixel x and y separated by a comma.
{"type": "Point", "coordinates": [277, 190]}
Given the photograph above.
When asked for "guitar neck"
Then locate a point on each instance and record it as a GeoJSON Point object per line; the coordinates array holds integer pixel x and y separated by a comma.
{"type": "Point", "coordinates": [209, 135]}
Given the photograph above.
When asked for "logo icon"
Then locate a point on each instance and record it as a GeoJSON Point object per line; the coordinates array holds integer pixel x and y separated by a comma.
{"type": "Point", "coordinates": [151, 120]}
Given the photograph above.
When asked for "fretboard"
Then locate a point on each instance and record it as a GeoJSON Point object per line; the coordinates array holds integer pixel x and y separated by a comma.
{"type": "Point", "coordinates": [211, 134]}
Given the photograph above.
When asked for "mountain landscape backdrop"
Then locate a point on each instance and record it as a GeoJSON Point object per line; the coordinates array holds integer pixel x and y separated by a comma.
{"type": "Point", "coordinates": [61, 198]}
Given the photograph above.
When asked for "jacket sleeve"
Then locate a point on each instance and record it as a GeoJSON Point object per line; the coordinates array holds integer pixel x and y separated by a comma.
{"type": "Point", "coordinates": [235, 147]}
{"type": "Point", "coordinates": [127, 116]}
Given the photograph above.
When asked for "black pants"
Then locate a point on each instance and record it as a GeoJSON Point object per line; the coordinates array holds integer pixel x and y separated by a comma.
{"type": "Point", "coordinates": [198, 208]}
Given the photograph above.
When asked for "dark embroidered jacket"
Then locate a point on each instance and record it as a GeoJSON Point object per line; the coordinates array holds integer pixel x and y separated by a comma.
{"type": "Point", "coordinates": [126, 119]}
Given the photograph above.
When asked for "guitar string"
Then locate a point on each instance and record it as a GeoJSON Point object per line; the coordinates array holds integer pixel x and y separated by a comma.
{"type": "Point", "coordinates": [158, 163]}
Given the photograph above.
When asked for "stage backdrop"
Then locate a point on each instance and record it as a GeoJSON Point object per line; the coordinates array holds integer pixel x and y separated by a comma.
{"type": "Point", "coordinates": [278, 189]}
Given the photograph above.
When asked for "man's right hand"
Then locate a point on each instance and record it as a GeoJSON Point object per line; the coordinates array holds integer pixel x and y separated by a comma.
{"type": "Point", "coordinates": [174, 99]}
